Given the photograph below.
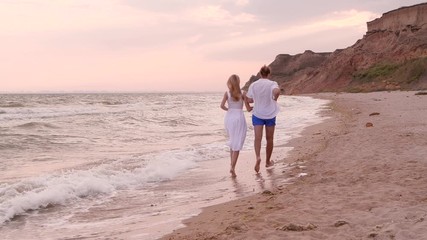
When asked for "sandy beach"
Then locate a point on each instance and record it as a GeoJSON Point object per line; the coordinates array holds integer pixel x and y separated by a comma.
{"type": "Point", "coordinates": [366, 178]}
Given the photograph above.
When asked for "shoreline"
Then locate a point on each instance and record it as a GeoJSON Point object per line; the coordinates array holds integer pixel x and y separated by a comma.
{"type": "Point", "coordinates": [362, 182]}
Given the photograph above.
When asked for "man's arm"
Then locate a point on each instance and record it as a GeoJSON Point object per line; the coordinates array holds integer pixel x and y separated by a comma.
{"type": "Point", "coordinates": [276, 93]}
{"type": "Point", "coordinates": [249, 95]}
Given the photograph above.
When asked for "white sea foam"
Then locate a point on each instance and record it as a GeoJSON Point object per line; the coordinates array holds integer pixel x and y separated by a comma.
{"type": "Point", "coordinates": [70, 186]}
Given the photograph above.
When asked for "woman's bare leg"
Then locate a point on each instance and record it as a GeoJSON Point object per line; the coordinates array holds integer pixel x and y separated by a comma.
{"type": "Point", "coordinates": [234, 156]}
{"type": "Point", "coordinates": [231, 163]}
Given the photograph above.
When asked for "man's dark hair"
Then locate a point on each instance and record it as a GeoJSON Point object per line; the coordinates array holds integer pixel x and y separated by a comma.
{"type": "Point", "coordinates": [264, 71]}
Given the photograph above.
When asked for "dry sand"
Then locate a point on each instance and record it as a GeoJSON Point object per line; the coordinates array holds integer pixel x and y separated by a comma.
{"type": "Point", "coordinates": [363, 182]}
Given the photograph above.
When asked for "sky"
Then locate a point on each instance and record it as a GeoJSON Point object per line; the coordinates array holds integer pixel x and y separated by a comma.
{"type": "Point", "coordinates": [166, 45]}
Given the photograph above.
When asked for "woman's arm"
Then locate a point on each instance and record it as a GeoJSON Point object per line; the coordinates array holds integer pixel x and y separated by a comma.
{"type": "Point", "coordinates": [247, 105]}
{"type": "Point", "coordinates": [224, 100]}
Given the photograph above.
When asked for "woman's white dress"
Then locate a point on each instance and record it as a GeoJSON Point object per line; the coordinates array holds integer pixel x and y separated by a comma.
{"type": "Point", "coordinates": [235, 124]}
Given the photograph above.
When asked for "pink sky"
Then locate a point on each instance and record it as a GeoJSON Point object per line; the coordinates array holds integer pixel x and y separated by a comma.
{"type": "Point", "coordinates": [175, 45]}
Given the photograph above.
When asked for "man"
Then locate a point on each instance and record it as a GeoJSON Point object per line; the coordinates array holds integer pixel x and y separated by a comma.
{"type": "Point", "coordinates": [264, 94]}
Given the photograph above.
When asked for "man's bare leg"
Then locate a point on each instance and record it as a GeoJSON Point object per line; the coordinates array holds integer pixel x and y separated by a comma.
{"type": "Point", "coordinates": [257, 145]}
{"type": "Point", "coordinates": [269, 135]}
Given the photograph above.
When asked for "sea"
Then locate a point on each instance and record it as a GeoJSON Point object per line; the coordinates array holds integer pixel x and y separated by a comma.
{"type": "Point", "coordinates": [126, 165]}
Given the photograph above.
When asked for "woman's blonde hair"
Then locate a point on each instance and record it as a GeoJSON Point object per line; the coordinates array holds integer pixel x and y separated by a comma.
{"type": "Point", "coordinates": [233, 84]}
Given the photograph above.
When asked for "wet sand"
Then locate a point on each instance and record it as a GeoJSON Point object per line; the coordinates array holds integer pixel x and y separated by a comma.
{"type": "Point", "coordinates": [361, 174]}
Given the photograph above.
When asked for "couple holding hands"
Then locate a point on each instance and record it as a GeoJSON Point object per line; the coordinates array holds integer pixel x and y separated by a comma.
{"type": "Point", "coordinates": [263, 93]}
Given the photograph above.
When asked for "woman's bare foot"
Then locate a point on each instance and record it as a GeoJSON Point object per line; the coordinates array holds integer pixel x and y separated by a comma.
{"type": "Point", "coordinates": [233, 173]}
{"type": "Point", "coordinates": [269, 164]}
{"type": "Point", "coordinates": [257, 165]}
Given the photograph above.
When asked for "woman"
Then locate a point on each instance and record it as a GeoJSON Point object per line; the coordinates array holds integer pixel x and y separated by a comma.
{"type": "Point", "coordinates": [234, 121]}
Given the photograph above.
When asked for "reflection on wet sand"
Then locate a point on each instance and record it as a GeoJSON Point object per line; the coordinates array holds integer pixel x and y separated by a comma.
{"type": "Point", "coordinates": [268, 179]}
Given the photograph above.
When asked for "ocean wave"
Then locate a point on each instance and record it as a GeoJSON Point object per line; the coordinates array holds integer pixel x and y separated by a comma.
{"type": "Point", "coordinates": [55, 112]}
{"type": "Point", "coordinates": [176, 122]}
{"type": "Point", "coordinates": [42, 193]}
{"type": "Point", "coordinates": [69, 187]}
{"type": "Point", "coordinates": [31, 125]}
{"type": "Point", "coordinates": [112, 103]}
{"type": "Point", "coordinates": [12, 105]}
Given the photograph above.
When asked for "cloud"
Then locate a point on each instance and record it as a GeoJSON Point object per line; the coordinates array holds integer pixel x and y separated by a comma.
{"type": "Point", "coordinates": [351, 19]}
{"type": "Point", "coordinates": [348, 18]}
{"type": "Point", "coordinates": [78, 15]}
{"type": "Point", "coordinates": [241, 3]}
{"type": "Point", "coordinates": [217, 15]}
{"type": "Point", "coordinates": [173, 6]}
{"type": "Point", "coordinates": [113, 24]}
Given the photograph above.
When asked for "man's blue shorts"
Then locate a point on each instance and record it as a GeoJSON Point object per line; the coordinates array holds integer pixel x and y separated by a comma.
{"type": "Point", "coordinates": [266, 122]}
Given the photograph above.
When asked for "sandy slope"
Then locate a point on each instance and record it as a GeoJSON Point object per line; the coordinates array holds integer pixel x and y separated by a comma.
{"type": "Point", "coordinates": [362, 183]}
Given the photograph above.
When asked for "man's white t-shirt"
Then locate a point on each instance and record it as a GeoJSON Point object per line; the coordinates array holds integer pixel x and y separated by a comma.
{"type": "Point", "coordinates": [261, 91]}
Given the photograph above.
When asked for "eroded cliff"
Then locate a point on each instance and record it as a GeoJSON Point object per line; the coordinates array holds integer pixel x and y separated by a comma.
{"type": "Point", "coordinates": [392, 55]}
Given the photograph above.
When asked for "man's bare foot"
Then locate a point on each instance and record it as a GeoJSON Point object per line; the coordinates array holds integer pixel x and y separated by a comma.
{"type": "Point", "coordinates": [269, 164]}
{"type": "Point", "coordinates": [233, 173]}
{"type": "Point", "coordinates": [257, 165]}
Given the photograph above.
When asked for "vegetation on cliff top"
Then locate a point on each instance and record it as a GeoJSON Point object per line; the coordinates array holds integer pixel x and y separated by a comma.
{"type": "Point", "coordinates": [389, 76]}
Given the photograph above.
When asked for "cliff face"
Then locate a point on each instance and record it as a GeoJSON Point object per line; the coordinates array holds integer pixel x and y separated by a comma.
{"type": "Point", "coordinates": [288, 68]}
{"type": "Point", "coordinates": [398, 19]}
{"type": "Point", "coordinates": [391, 56]}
